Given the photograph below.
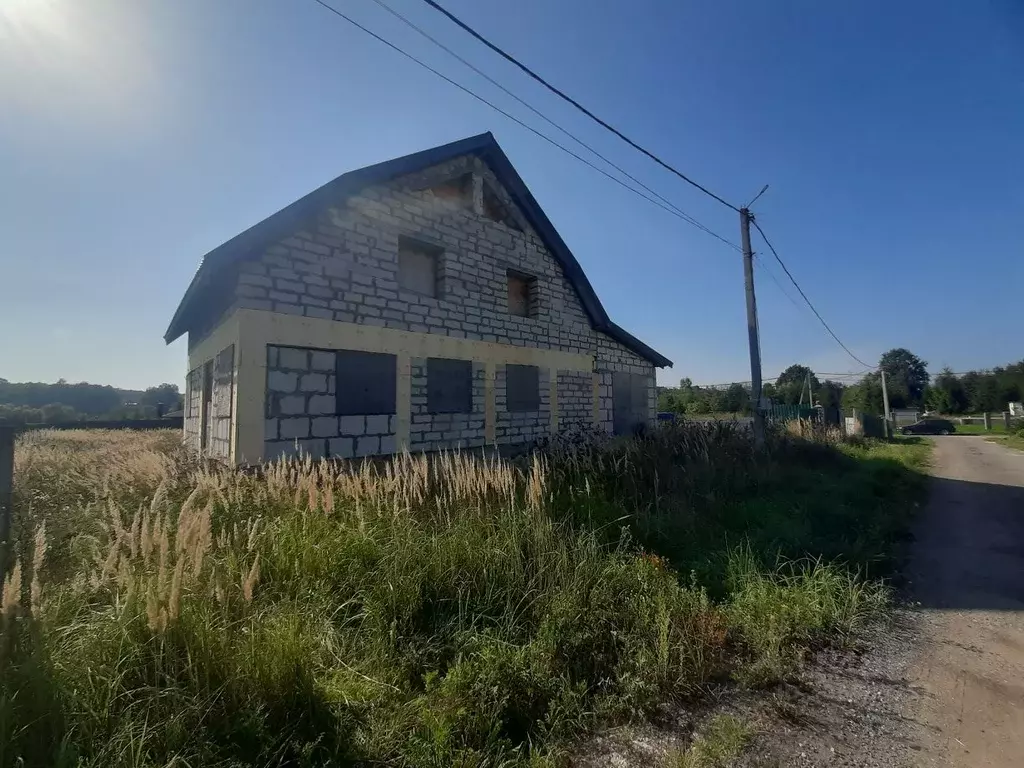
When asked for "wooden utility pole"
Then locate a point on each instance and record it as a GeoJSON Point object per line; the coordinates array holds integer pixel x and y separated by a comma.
{"type": "Point", "coordinates": [752, 336]}
{"type": "Point", "coordinates": [885, 405]}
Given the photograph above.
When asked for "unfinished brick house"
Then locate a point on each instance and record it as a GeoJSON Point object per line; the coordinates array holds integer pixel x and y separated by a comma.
{"type": "Point", "coordinates": [424, 303]}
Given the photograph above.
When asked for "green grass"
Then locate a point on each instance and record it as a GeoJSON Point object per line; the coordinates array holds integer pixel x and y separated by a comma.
{"type": "Point", "coordinates": [719, 743]}
{"type": "Point", "coordinates": [979, 429]}
{"type": "Point", "coordinates": [1010, 441]}
{"type": "Point", "coordinates": [425, 612]}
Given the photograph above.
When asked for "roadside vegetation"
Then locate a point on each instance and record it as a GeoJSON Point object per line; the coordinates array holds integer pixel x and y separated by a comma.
{"type": "Point", "coordinates": [451, 611]}
{"type": "Point", "coordinates": [1012, 439]}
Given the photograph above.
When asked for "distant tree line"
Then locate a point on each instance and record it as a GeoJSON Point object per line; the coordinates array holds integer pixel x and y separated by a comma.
{"type": "Point", "coordinates": [907, 380]}
{"type": "Point", "coordinates": [38, 402]}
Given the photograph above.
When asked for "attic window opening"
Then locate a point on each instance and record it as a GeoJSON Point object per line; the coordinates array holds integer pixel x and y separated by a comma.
{"type": "Point", "coordinates": [496, 210]}
{"type": "Point", "coordinates": [522, 294]}
{"type": "Point", "coordinates": [418, 267]}
{"type": "Point", "coordinates": [458, 190]}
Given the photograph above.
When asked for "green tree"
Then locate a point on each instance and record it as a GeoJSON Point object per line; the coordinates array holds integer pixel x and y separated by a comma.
{"type": "Point", "coordinates": [866, 395]}
{"type": "Point", "coordinates": [830, 394]}
{"type": "Point", "coordinates": [906, 377]}
{"type": "Point", "coordinates": [792, 383]}
{"type": "Point", "coordinates": [946, 394]}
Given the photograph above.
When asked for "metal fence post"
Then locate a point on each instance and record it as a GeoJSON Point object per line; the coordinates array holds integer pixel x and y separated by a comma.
{"type": "Point", "coordinates": [6, 490]}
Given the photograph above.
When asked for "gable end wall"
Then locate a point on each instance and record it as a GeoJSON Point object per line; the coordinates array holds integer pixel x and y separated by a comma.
{"type": "Point", "coordinates": [343, 267]}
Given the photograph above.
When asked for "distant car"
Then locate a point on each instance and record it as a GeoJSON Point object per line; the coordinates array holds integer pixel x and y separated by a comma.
{"type": "Point", "coordinates": [930, 427]}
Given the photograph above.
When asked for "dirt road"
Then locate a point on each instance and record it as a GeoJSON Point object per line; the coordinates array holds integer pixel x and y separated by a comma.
{"type": "Point", "coordinates": [967, 570]}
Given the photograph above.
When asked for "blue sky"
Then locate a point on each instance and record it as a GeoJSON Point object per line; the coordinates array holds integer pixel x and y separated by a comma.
{"type": "Point", "coordinates": [136, 136]}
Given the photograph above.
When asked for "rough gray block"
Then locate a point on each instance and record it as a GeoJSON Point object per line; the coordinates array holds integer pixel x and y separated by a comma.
{"type": "Point", "coordinates": [279, 449]}
{"type": "Point", "coordinates": [322, 361]}
{"type": "Point", "coordinates": [270, 429]}
{"type": "Point", "coordinates": [321, 404]}
{"type": "Point", "coordinates": [377, 425]}
{"type": "Point", "coordinates": [367, 446]}
{"type": "Point", "coordinates": [313, 382]}
{"type": "Point", "coordinates": [292, 405]}
{"type": "Point", "coordinates": [279, 381]}
{"type": "Point", "coordinates": [314, 448]}
{"type": "Point", "coordinates": [352, 425]}
{"type": "Point", "coordinates": [291, 428]}
{"type": "Point", "coordinates": [296, 359]}
{"type": "Point", "coordinates": [341, 447]}
{"type": "Point", "coordinates": [325, 426]}
{"type": "Point", "coordinates": [387, 444]}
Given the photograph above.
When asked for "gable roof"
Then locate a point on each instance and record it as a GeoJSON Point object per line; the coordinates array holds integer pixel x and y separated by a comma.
{"type": "Point", "coordinates": [283, 223]}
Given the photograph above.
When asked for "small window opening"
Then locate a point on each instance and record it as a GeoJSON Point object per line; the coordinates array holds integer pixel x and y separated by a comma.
{"type": "Point", "coordinates": [418, 267]}
{"type": "Point", "coordinates": [522, 291]}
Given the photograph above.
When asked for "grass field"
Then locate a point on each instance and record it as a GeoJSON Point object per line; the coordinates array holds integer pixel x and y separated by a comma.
{"type": "Point", "coordinates": [451, 611]}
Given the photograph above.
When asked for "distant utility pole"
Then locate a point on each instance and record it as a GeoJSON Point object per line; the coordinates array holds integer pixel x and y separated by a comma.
{"type": "Point", "coordinates": [752, 339]}
{"type": "Point", "coordinates": [885, 403]}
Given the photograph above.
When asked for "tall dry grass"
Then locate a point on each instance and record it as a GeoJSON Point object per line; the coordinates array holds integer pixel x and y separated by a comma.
{"type": "Point", "coordinates": [453, 610]}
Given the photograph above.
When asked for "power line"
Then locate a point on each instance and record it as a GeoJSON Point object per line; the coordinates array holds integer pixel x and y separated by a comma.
{"type": "Point", "coordinates": [682, 214]}
{"type": "Point", "coordinates": [801, 290]}
{"type": "Point", "coordinates": [654, 197]}
{"type": "Point", "coordinates": [669, 208]}
{"type": "Point", "coordinates": [816, 374]}
{"type": "Point", "coordinates": [561, 94]}
{"type": "Point", "coordinates": [764, 267]}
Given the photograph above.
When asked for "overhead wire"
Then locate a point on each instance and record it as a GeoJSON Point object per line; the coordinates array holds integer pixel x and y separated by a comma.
{"type": "Point", "coordinates": [653, 197]}
{"type": "Point", "coordinates": [565, 97]}
{"type": "Point", "coordinates": [668, 208]}
{"type": "Point", "coordinates": [804, 295]}
{"type": "Point", "coordinates": [769, 379]}
{"type": "Point", "coordinates": [682, 214]}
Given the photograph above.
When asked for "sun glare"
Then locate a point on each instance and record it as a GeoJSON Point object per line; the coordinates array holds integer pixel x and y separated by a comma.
{"type": "Point", "coordinates": [31, 19]}
{"type": "Point", "coordinates": [71, 60]}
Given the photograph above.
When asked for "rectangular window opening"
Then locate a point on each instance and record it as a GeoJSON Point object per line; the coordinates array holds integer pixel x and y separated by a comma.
{"type": "Point", "coordinates": [522, 388]}
{"type": "Point", "coordinates": [522, 291]}
{"type": "Point", "coordinates": [418, 267]}
{"type": "Point", "coordinates": [365, 383]}
{"type": "Point", "coordinates": [449, 385]}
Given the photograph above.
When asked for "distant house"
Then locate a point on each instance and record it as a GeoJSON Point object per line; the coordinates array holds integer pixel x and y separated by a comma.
{"type": "Point", "coordinates": [424, 303]}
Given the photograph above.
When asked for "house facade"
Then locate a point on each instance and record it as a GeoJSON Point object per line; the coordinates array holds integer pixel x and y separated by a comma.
{"type": "Point", "coordinates": [424, 303]}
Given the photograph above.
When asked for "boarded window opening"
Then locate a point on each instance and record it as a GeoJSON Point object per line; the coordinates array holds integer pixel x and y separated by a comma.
{"type": "Point", "coordinates": [449, 385]}
{"type": "Point", "coordinates": [365, 383]}
{"type": "Point", "coordinates": [496, 210]}
{"type": "Point", "coordinates": [522, 388]}
{"type": "Point", "coordinates": [418, 267]}
{"type": "Point", "coordinates": [521, 294]}
{"type": "Point", "coordinates": [629, 403]}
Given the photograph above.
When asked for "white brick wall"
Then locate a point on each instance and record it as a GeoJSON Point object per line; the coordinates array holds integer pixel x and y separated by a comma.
{"type": "Point", "coordinates": [301, 410]}
{"type": "Point", "coordinates": [343, 266]}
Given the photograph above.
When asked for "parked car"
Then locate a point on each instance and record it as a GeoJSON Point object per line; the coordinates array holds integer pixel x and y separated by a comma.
{"type": "Point", "coordinates": [930, 427]}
